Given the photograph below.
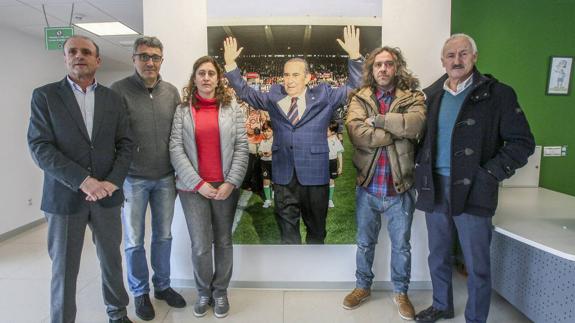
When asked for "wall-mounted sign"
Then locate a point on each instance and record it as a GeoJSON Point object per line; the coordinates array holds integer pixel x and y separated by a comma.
{"type": "Point", "coordinates": [56, 36]}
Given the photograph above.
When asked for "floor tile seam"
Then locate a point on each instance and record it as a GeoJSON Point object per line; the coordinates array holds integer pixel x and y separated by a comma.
{"type": "Point", "coordinates": [29, 254]}
{"type": "Point", "coordinates": [284, 306]}
{"type": "Point", "coordinates": [24, 279]}
{"type": "Point", "coordinates": [88, 283]}
{"type": "Point", "coordinates": [27, 243]}
{"type": "Point", "coordinates": [166, 314]}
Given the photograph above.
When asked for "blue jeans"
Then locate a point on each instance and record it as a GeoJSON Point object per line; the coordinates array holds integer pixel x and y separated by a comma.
{"type": "Point", "coordinates": [399, 212]}
{"type": "Point", "coordinates": [161, 195]}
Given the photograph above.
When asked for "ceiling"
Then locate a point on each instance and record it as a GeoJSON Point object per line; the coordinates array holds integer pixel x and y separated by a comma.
{"type": "Point", "coordinates": [27, 17]}
{"type": "Point", "coordinates": [297, 37]}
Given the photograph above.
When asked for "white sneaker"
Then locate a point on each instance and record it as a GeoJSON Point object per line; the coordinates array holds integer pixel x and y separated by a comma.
{"type": "Point", "coordinates": [330, 204]}
{"type": "Point", "coordinates": [267, 203]}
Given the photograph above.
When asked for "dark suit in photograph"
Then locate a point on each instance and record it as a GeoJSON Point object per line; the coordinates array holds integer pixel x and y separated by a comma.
{"type": "Point", "coordinates": [62, 147]}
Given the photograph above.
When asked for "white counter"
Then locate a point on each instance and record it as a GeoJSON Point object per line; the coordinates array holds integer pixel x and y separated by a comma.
{"type": "Point", "coordinates": [538, 217]}
{"type": "Point", "coordinates": [533, 253]}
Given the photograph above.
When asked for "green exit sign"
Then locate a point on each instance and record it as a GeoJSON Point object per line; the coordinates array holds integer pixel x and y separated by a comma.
{"type": "Point", "coordinates": [56, 36]}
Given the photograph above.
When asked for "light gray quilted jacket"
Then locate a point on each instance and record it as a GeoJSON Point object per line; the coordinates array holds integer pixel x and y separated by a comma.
{"type": "Point", "coordinates": [233, 143]}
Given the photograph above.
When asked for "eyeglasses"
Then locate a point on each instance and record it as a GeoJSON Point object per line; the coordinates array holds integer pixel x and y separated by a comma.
{"type": "Point", "coordinates": [145, 57]}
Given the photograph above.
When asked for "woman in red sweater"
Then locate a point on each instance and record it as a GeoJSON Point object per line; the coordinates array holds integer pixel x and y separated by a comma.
{"type": "Point", "coordinates": [209, 151]}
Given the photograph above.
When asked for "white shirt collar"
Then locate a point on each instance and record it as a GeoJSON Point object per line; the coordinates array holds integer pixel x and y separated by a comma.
{"type": "Point", "coordinates": [76, 87]}
{"type": "Point", "coordinates": [285, 103]}
{"type": "Point", "coordinates": [460, 87]}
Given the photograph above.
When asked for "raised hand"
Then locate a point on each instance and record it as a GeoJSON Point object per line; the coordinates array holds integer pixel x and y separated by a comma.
{"type": "Point", "coordinates": [231, 51]}
{"type": "Point", "coordinates": [350, 42]}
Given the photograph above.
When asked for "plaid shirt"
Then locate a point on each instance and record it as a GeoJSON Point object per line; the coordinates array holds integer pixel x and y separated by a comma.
{"type": "Point", "coordinates": [382, 182]}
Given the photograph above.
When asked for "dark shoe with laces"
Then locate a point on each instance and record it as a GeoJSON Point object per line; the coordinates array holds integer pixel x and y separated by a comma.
{"type": "Point", "coordinates": [221, 306]}
{"type": "Point", "coordinates": [144, 308]}
{"type": "Point", "coordinates": [171, 297]}
{"type": "Point", "coordinates": [124, 319]}
{"type": "Point", "coordinates": [432, 314]}
{"type": "Point", "coordinates": [201, 306]}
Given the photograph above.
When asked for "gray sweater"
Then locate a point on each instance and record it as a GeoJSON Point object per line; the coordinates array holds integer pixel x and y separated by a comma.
{"type": "Point", "coordinates": [151, 115]}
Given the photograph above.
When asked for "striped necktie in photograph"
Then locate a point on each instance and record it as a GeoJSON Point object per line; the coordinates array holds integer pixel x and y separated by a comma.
{"type": "Point", "coordinates": [292, 113]}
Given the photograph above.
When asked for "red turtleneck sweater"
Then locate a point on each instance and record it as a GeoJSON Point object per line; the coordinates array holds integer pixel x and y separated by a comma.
{"type": "Point", "coordinates": [207, 134]}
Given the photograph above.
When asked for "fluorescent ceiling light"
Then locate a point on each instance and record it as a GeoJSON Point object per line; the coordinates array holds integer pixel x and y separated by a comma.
{"type": "Point", "coordinates": [107, 28]}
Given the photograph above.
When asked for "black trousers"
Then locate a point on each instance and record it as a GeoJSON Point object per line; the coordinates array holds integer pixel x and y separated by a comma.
{"type": "Point", "coordinates": [253, 179]}
{"type": "Point", "coordinates": [293, 201]}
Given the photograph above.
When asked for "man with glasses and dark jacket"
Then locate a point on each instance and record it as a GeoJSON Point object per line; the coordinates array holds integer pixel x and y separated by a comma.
{"type": "Point", "coordinates": [151, 103]}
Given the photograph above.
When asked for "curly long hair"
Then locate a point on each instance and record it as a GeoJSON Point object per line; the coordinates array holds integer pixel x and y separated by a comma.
{"type": "Point", "coordinates": [404, 78]}
{"type": "Point", "coordinates": [223, 96]}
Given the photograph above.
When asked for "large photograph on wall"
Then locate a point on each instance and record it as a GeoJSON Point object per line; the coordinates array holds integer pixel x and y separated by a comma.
{"type": "Point", "coordinates": [266, 49]}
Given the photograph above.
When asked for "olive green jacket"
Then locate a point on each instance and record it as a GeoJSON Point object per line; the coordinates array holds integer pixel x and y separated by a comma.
{"type": "Point", "coordinates": [397, 131]}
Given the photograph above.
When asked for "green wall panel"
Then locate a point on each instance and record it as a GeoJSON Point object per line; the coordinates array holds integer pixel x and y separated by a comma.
{"type": "Point", "coordinates": [515, 40]}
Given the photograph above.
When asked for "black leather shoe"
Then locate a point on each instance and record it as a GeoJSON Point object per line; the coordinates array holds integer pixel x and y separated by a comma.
{"type": "Point", "coordinates": [171, 297]}
{"type": "Point", "coordinates": [431, 314]}
{"type": "Point", "coordinates": [124, 319]}
{"type": "Point", "coordinates": [144, 308]}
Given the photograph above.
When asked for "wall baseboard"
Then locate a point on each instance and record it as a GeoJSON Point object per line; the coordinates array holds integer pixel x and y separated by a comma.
{"type": "Point", "coordinates": [308, 285]}
{"type": "Point", "coordinates": [17, 231]}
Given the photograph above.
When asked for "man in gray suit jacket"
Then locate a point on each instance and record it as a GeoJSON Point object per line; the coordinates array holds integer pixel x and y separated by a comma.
{"type": "Point", "coordinates": [79, 136]}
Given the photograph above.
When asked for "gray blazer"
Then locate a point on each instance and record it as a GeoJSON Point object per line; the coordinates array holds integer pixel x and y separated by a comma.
{"type": "Point", "coordinates": [233, 144]}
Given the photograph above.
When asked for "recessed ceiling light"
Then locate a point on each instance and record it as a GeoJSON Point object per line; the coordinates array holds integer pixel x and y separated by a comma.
{"type": "Point", "coordinates": [107, 28]}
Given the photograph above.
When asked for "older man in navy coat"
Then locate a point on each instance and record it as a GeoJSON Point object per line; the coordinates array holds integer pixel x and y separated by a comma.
{"type": "Point", "coordinates": [477, 135]}
{"type": "Point", "coordinates": [79, 136]}
{"type": "Point", "coordinates": [300, 117]}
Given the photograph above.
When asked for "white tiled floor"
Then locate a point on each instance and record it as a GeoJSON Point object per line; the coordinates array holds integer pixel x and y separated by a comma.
{"type": "Point", "coordinates": [25, 283]}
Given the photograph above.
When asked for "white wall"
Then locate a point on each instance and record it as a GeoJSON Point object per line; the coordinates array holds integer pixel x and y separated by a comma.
{"type": "Point", "coordinates": [293, 8]}
{"type": "Point", "coordinates": [184, 35]}
{"type": "Point", "coordinates": [27, 65]}
{"type": "Point", "coordinates": [419, 28]}
{"type": "Point", "coordinates": [294, 12]}
{"type": "Point", "coordinates": [107, 76]}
